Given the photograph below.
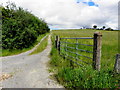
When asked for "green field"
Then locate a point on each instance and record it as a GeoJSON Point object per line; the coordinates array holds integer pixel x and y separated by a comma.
{"type": "Point", "coordinates": [109, 43]}
{"type": "Point", "coordinates": [71, 75]}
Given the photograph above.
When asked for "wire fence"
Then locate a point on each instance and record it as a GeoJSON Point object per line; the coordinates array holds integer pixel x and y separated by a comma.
{"type": "Point", "coordinates": [79, 52]}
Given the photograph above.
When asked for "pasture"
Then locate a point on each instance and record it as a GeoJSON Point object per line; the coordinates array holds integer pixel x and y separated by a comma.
{"type": "Point", "coordinates": [72, 76]}
{"type": "Point", "coordinates": [109, 43]}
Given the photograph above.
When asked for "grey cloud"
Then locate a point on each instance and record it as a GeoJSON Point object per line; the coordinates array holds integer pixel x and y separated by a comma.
{"type": "Point", "coordinates": [69, 14]}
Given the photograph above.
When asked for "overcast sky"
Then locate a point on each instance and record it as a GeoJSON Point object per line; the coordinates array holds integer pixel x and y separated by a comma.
{"type": "Point", "coordinates": [62, 14]}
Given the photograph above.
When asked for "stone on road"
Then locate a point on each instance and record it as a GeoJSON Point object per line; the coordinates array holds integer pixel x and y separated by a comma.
{"type": "Point", "coordinates": [28, 71]}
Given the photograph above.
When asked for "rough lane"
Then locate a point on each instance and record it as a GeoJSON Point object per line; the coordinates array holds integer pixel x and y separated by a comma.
{"type": "Point", "coordinates": [29, 71]}
{"type": "Point", "coordinates": [24, 53]}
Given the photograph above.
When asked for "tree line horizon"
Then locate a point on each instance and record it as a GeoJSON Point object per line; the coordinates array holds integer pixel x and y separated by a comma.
{"type": "Point", "coordinates": [102, 28]}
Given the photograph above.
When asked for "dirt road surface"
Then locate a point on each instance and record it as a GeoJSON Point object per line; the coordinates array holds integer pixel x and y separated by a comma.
{"type": "Point", "coordinates": [28, 71]}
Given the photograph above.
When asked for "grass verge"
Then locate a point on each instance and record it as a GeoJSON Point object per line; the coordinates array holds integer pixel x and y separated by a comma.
{"type": "Point", "coordinates": [78, 77]}
{"type": "Point", "coordinates": [41, 47]}
{"type": "Point", "coordinates": [7, 52]}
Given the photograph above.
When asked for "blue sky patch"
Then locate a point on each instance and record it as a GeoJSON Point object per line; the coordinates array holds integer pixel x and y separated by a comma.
{"type": "Point", "coordinates": [90, 3]}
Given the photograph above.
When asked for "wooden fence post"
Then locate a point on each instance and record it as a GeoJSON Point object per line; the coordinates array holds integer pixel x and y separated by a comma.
{"type": "Point", "coordinates": [97, 50]}
{"type": "Point", "coordinates": [56, 40]}
{"type": "Point", "coordinates": [117, 63]}
{"type": "Point", "coordinates": [57, 43]}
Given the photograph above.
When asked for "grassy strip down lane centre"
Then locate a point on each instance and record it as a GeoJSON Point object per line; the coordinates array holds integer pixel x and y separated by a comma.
{"type": "Point", "coordinates": [41, 47]}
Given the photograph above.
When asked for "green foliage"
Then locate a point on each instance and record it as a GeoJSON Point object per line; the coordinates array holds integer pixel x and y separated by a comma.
{"type": "Point", "coordinates": [87, 78]}
{"type": "Point", "coordinates": [20, 28]}
{"type": "Point", "coordinates": [7, 52]}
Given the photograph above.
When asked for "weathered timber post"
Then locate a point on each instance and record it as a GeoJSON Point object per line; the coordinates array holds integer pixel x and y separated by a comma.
{"type": "Point", "coordinates": [117, 63]}
{"type": "Point", "coordinates": [57, 43]}
{"type": "Point", "coordinates": [97, 50]}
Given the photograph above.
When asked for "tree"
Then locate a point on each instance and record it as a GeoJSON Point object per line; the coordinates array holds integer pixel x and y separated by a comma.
{"type": "Point", "coordinates": [95, 26]}
{"type": "Point", "coordinates": [109, 29]}
{"type": "Point", "coordinates": [104, 27]}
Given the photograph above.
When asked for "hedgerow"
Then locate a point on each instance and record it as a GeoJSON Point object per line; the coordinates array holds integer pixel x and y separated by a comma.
{"type": "Point", "coordinates": [20, 28]}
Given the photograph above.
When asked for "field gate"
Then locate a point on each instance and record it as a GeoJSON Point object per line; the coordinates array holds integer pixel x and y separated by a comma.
{"type": "Point", "coordinates": [97, 44]}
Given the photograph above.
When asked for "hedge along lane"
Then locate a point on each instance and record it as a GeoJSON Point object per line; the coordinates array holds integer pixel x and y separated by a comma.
{"type": "Point", "coordinates": [20, 28]}
{"type": "Point", "coordinates": [26, 53]}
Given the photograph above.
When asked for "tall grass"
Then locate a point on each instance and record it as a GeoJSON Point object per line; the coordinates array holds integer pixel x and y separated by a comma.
{"type": "Point", "coordinates": [76, 77]}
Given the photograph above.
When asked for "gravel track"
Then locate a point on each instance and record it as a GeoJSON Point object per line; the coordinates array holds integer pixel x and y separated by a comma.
{"type": "Point", "coordinates": [28, 71]}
